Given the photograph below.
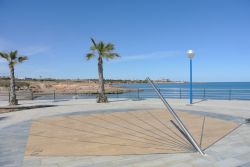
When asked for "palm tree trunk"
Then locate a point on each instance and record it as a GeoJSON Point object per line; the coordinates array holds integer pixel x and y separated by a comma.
{"type": "Point", "coordinates": [13, 100]}
{"type": "Point", "coordinates": [101, 98]}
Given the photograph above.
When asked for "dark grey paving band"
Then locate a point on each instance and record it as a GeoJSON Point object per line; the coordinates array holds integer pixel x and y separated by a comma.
{"type": "Point", "coordinates": [225, 117]}
{"type": "Point", "coordinates": [12, 146]}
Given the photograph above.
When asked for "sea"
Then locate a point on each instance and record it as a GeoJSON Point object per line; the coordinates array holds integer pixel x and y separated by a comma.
{"type": "Point", "coordinates": [210, 85]}
{"type": "Point", "coordinates": [208, 90]}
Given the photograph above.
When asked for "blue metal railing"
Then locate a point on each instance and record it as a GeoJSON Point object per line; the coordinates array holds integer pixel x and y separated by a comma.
{"type": "Point", "coordinates": [139, 93]}
{"type": "Point", "coordinates": [183, 93]}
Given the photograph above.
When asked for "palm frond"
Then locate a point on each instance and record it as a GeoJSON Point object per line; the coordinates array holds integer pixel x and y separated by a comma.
{"type": "Point", "coordinates": [103, 50]}
{"type": "Point", "coordinates": [13, 55]}
{"type": "Point", "coordinates": [110, 55]}
{"type": "Point", "coordinates": [109, 47]}
{"type": "Point", "coordinates": [93, 48]}
{"type": "Point", "coordinates": [22, 58]}
{"type": "Point", "coordinates": [93, 41]}
{"type": "Point", "coordinates": [101, 46]}
{"type": "Point", "coordinates": [90, 56]}
{"type": "Point", "coordinates": [116, 55]}
{"type": "Point", "coordinates": [5, 56]}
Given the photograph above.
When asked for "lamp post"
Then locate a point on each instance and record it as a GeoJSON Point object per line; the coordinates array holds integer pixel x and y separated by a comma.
{"type": "Point", "coordinates": [190, 54]}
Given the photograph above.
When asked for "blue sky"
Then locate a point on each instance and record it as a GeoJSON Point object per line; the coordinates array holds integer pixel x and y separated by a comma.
{"type": "Point", "coordinates": [152, 37]}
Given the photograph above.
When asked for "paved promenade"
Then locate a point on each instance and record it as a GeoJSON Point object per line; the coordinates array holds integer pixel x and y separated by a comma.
{"type": "Point", "coordinates": [232, 150]}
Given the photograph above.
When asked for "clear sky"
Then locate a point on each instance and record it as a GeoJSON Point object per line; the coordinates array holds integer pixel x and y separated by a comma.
{"type": "Point", "coordinates": [152, 37]}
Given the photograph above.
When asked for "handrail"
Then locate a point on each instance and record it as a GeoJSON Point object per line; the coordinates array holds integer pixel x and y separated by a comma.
{"type": "Point", "coordinates": [194, 88]}
{"type": "Point", "coordinates": [178, 120]}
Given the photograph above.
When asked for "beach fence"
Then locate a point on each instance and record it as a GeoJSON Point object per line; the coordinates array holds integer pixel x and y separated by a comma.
{"type": "Point", "coordinates": [135, 94]}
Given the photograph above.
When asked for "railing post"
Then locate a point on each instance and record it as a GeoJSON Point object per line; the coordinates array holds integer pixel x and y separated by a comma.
{"type": "Point", "coordinates": [180, 93]}
{"type": "Point", "coordinates": [204, 93]}
{"type": "Point", "coordinates": [54, 94]}
{"type": "Point", "coordinates": [230, 94]}
{"type": "Point", "coordinates": [9, 95]}
{"type": "Point", "coordinates": [31, 94]}
{"type": "Point", "coordinates": [138, 93]}
{"type": "Point", "coordinates": [117, 94]}
{"type": "Point", "coordinates": [76, 94]}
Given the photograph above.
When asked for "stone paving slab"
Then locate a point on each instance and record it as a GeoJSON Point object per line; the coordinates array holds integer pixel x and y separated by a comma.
{"type": "Point", "coordinates": [234, 146]}
{"type": "Point", "coordinates": [224, 153]}
{"type": "Point", "coordinates": [121, 133]}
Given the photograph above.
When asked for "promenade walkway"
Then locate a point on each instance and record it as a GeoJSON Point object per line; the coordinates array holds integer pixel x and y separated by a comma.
{"type": "Point", "coordinates": [17, 145]}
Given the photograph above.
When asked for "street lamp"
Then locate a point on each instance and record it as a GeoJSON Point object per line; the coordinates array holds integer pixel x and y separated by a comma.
{"type": "Point", "coordinates": [190, 54]}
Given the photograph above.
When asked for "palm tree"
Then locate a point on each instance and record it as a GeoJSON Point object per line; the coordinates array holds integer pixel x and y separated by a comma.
{"type": "Point", "coordinates": [12, 59]}
{"type": "Point", "coordinates": [103, 50]}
